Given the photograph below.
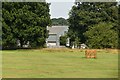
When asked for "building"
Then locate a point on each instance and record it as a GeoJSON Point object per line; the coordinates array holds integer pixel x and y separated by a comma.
{"type": "Point", "coordinates": [54, 35]}
{"type": "Point", "coordinates": [83, 46]}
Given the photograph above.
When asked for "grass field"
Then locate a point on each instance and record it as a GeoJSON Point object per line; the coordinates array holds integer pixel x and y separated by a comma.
{"type": "Point", "coordinates": [59, 63]}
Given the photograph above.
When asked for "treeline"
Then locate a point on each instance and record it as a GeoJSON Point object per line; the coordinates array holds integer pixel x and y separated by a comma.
{"type": "Point", "coordinates": [59, 22]}
{"type": "Point", "coordinates": [24, 24]}
{"type": "Point", "coordinates": [95, 24]}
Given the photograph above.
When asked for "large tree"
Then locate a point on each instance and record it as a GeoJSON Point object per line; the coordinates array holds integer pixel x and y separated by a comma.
{"type": "Point", "coordinates": [119, 25]}
{"type": "Point", "coordinates": [102, 35]}
{"type": "Point", "coordinates": [25, 22]}
{"type": "Point", "coordinates": [0, 25]}
{"type": "Point", "coordinates": [85, 15]}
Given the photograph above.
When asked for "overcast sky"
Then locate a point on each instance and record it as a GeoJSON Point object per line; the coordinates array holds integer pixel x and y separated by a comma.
{"type": "Point", "coordinates": [60, 8]}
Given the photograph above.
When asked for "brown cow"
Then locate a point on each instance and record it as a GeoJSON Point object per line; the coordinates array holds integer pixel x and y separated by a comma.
{"type": "Point", "coordinates": [90, 53]}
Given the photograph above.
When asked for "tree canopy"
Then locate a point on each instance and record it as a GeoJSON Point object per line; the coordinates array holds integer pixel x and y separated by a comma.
{"type": "Point", "coordinates": [24, 22]}
{"type": "Point", "coordinates": [95, 24]}
{"type": "Point", "coordinates": [59, 21]}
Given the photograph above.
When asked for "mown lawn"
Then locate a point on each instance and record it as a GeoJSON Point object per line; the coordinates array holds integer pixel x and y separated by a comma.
{"type": "Point", "coordinates": [58, 63]}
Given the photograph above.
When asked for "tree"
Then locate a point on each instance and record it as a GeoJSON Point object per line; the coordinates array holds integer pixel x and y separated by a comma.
{"type": "Point", "coordinates": [59, 21]}
{"type": "Point", "coordinates": [8, 39]}
{"type": "Point", "coordinates": [85, 15]}
{"type": "Point", "coordinates": [102, 36]}
{"type": "Point", "coordinates": [25, 22]}
{"type": "Point", "coordinates": [63, 40]}
{"type": "Point", "coordinates": [118, 25]}
{"type": "Point", "coordinates": [0, 27]}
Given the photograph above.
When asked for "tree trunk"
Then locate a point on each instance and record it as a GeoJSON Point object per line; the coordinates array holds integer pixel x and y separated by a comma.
{"type": "Point", "coordinates": [21, 43]}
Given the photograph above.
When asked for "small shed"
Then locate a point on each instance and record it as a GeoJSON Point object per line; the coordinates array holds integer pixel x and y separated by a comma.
{"type": "Point", "coordinates": [83, 46]}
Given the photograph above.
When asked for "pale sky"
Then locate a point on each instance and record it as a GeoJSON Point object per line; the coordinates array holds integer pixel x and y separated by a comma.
{"type": "Point", "coordinates": [60, 8]}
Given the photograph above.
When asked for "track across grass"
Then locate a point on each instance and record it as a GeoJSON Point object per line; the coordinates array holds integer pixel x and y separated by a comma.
{"type": "Point", "coordinates": [59, 63]}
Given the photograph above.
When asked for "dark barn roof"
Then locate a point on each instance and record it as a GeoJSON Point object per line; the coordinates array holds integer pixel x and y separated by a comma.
{"type": "Point", "coordinates": [57, 29]}
{"type": "Point", "coordinates": [55, 32]}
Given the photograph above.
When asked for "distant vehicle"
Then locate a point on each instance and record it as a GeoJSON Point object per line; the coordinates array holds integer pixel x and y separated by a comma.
{"type": "Point", "coordinates": [83, 46]}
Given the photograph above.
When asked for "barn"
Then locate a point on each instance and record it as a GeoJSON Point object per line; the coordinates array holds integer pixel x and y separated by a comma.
{"type": "Point", "coordinates": [54, 35]}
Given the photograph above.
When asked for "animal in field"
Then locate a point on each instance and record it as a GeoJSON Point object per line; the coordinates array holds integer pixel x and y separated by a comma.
{"type": "Point", "coordinates": [90, 53]}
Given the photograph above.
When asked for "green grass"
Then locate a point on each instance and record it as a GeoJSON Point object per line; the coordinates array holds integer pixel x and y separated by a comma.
{"type": "Point", "coordinates": [58, 63]}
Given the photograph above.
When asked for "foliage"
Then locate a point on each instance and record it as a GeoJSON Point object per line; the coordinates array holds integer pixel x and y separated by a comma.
{"type": "Point", "coordinates": [102, 36]}
{"type": "Point", "coordinates": [77, 42]}
{"type": "Point", "coordinates": [0, 27]}
{"type": "Point", "coordinates": [25, 22]}
{"type": "Point", "coordinates": [63, 40]}
{"type": "Point", "coordinates": [59, 21]}
{"type": "Point", "coordinates": [118, 25]}
{"type": "Point", "coordinates": [84, 15]}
